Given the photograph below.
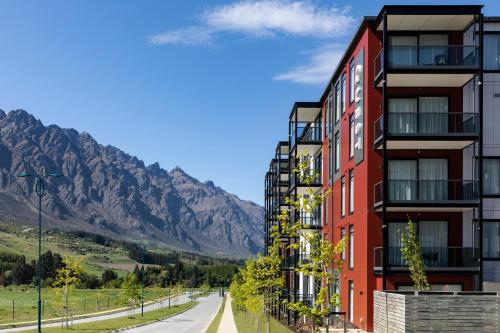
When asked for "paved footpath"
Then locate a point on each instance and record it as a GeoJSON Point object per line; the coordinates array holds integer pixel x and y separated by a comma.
{"type": "Point", "coordinates": [175, 300]}
{"type": "Point", "coordinates": [195, 320]}
{"type": "Point", "coordinates": [227, 324]}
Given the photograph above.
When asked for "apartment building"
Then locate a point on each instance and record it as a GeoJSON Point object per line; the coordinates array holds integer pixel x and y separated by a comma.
{"type": "Point", "coordinates": [407, 128]}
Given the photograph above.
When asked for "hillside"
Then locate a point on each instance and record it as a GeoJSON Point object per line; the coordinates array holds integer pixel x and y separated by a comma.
{"type": "Point", "coordinates": [106, 191]}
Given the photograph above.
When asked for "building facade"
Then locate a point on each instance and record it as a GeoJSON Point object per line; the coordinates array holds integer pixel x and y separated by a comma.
{"type": "Point", "coordinates": [407, 128]}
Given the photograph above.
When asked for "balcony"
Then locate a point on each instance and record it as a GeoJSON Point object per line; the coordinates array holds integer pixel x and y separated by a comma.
{"type": "Point", "coordinates": [308, 220]}
{"type": "Point", "coordinates": [427, 65]}
{"type": "Point", "coordinates": [427, 195]}
{"type": "Point", "coordinates": [435, 258]}
{"type": "Point", "coordinates": [427, 130]}
{"type": "Point", "coordinates": [300, 181]}
{"type": "Point", "coordinates": [308, 133]}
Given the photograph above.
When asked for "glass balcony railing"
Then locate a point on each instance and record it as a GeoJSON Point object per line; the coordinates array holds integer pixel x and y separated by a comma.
{"type": "Point", "coordinates": [439, 256]}
{"type": "Point", "coordinates": [440, 56]}
{"type": "Point", "coordinates": [305, 132]}
{"type": "Point", "coordinates": [434, 257]}
{"type": "Point", "coordinates": [296, 179]}
{"type": "Point", "coordinates": [433, 123]}
{"type": "Point", "coordinates": [427, 190]}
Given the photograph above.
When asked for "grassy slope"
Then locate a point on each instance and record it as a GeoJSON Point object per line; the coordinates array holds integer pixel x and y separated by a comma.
{"type": "Point", "coordinates": [214, 325]}
{"type": "Point", "coordinates": [248, 323]}
{"type": "Point", "coordinates": [113, 324]}
{"type": "Point", "coordinates": [82, 301]}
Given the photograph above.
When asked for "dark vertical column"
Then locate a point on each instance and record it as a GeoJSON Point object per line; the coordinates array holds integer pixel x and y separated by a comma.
{"type": "Point", "coordinates": [385, 187]}
{"type": "Point", "coordinates": [480, 157]}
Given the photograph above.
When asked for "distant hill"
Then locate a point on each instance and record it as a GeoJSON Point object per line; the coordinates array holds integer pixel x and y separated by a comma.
{"type": "Point", "coordinates": [109, 192]}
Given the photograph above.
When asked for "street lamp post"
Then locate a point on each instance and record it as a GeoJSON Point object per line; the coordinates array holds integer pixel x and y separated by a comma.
{"type": "Point", "coordinates": [142, 280]}
{"type": "Point", "coordinates": [40, 192]}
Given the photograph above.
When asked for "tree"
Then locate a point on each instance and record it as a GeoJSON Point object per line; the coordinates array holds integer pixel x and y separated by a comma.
{"type": "Point", "coordinates": [107, 276]}
{"type": "Point", "coordinates": [321, 259]}
{"type": "Point", "coordinates": [412, 255]}
{"type": "Point", "coordinates": [130, 294]}
{"type": "Point", "coordinates": [66, 278]}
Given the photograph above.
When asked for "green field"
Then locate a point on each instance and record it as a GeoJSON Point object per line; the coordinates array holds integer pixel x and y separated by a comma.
{"type": "Point", "coordinates": [114, 324]}
{"type": "Point", "coordinates": [83, 301]}
{"type": "Point", "coordinates": [248, 323]}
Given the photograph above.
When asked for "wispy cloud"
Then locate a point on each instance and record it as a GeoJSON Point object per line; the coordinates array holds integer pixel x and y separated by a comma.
{"type": "Point", "coordinates": [263, 18]}
{"type": "Point", "coordinates": [272, 18]}
{"type": "Point", "coordinates": [318, 69]}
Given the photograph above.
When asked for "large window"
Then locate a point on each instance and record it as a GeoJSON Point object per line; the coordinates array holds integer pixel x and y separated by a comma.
{"type": "Point", "coordinates": [342, 236]}
{"type": "Point", "coordinates": [351, 301]}
{"type": "Point", "coordinates": [491, 176]}
{"type": "Point", "coordinates": [328, 114]}
{"type": "Point", "coordinates": [351, 136]}
{"type": "Point", "coordinates": [491, 239]}
{"type": "Point", "coordinates": [342, 197]}
{"type": "Point", "coordinates": [351, 81]}
{"type": "Point", "coordinates": [337, 151]}
{"type": "Point", "coordinates": [337, 102]}
{"type": "Point", "coordinates": [351, 191]}
{"type": "Point", "coordinates": [492, 51]}
{"type": "Point", "coordinates": [342, 89]}
{"type": "Point", "coordinates": [431, 184]}
{"type": "Point", "coordinates": [330, 162]}
{"type": "Point", "coordinates": [422, 115]}
{"type": "Point", "coordinates": [351, 246]}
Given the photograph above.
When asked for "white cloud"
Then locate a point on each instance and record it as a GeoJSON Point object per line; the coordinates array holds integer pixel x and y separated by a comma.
{"type": "Point", "coordinates": [263, 18]}
{"type": "Point", "coordinates": [319, 68]}
{"type": "Point", "coordinates": [269, 17]}
{"type": "Point", "coordinates": [191, 36]}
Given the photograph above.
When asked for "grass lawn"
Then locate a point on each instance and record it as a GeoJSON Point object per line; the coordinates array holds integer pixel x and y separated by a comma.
{"type": "Point", "coordinates": [214, 325]}
{"type": "Point", "coordinates": [113, 324]}
{"type": "Point", "coordinates": [82, 301]}
{"type": "Point", "coordinates": [248, 323]}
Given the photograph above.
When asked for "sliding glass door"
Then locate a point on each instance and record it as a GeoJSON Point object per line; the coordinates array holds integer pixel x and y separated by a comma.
{"type": "Point", "coordinates": [402, 179]}
{"type": "Point", "coordinates": [403, 115]}
{"type": "Point", "coordinates": [433, 115]}
{"type": "Point", "coordinates": [395, 256]}
{"type": "Point", "coordinates": [403, 51]}
{"type": "Point", "coordinates": [419, 115]}
{"type": "Point", "coordinates": [433, 237]}
{"type": "Point", "coordinates": [433, 179]}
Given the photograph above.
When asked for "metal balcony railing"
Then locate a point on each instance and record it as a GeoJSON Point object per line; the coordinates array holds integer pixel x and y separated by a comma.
{"type": "Point", "coordinates": [427, 190]}
{"type": "Point", "coordinates": [434, 257]}
{"type": "Point", "coordinates": [305, 132]}
{"type": "Point", "coordinates": [432, 123]}
{"type": "Point", "coordinates": [435, 56]}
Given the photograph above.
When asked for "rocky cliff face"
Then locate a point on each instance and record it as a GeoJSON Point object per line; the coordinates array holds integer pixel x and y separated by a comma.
{"type": "Point", "coordinates": [107, 191]}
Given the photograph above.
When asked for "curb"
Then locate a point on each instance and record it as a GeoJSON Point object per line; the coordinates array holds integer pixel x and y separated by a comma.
{"type": "Point", "coordinates": [152, 321]}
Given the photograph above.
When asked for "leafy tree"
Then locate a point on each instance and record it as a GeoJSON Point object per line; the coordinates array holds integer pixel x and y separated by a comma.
{"type": "Point", "coordinates": [67, 277]}
{"type": "Point", "coordinates": [321, 259]}
{"type": "Point", "coordinates": [107, 276]}
{"type": "Point", "coordinates": [412, 255]}
{"type": "Point", "coordinates": [130, 295]}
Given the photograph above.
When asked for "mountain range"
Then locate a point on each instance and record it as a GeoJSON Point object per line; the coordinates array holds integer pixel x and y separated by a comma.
{"type": "Point", "coordinates": [107, 191]}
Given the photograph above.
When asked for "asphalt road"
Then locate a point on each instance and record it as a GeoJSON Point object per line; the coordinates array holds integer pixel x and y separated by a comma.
{"type": "Point", "coordinates": [194, 320]}
{"type": "Point", "coordinates": [175, 300]}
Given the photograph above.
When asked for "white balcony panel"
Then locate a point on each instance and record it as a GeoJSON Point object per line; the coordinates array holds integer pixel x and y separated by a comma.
{"type": "Point", "coordinates": [427, 80]}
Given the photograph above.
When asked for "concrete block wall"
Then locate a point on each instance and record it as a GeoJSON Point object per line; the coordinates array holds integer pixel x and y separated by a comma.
{"type": "Point", "coordinates": [436, 312]}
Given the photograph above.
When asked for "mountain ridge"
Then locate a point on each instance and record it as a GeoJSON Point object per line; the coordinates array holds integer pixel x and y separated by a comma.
{"type": "Point", "coordinates": [108, 190]}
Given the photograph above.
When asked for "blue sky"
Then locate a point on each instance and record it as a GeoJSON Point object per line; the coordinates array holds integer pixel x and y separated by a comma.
{"type": "Point", "coordinates": [206, 85]}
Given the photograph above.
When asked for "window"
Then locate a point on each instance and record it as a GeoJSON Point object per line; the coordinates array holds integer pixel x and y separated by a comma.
{"type": "Point", "coordinates": [491, 239]}
{"type": "Point", "coordinates": [351, 301]}
{"type": "Point", "coordinates": [325, 212]}
{"type": "Point", "coordinates": [342, 236]}
{"type": "Point", "coordinates": [351, 136]}
{"type": "Point", "coordinates": [337, 151]}
{"type": "Point", "coordinates": [351, 246]}
{"type": "Point", "coordinates": [351, 191]}
{"type": "Point", "coordinates": [422, 115]}
{"type": "Point", "coordinates": [342, 197]}
{"type": "Point", "coordinates": [342, 92]}
{"type": "Point", "coordinates": [330, 162]}
{"type": "Point", "coordinates": [351, 81]}
{"type": "Point", "coordinates": [492, 51]}
{"type": "Point", "coordinates": [337, 102]}
{"type": "Point", "coordinates": [328, 115]}
{"type": "Point", "coordinates": [491, 176]}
